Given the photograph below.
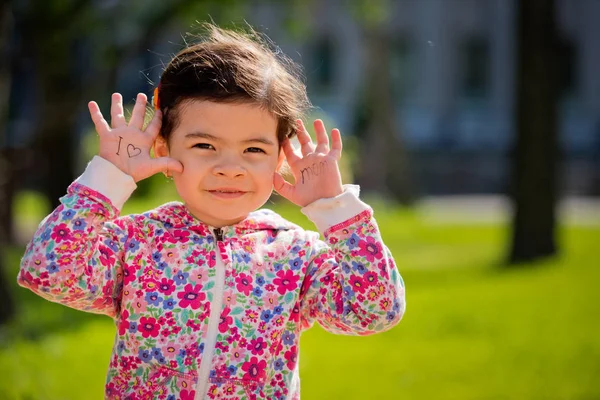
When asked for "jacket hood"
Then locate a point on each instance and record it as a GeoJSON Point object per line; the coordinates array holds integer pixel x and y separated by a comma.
{"type": "Point", "coordinates": [176, 215]}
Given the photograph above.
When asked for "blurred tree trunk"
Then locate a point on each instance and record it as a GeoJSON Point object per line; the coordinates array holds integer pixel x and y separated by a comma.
{"type": "Point", "coordinates": [60, 101]}
{"type": "Point", "coordinates": [534, 179]}
{"type": "Point", "coordinates": [6, 161]}
{"type": "Point", "coordinates": [7, 178]}
{"type": "Point", "coordinates": [49, 37]}
{"type": "Point", "coordinates": [55, 144]}
{"type": "Point", "coordinates": [383, 163]}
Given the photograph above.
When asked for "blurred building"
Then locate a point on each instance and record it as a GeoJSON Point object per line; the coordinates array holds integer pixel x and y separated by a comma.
{"type": "Point", "coordinates": [453, 69]}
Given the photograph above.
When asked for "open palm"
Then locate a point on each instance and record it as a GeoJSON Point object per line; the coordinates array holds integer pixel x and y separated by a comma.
{"type": "Point", "coordinates": [127, 145]}
{"type": "Point", "coordinates": [316, 172]}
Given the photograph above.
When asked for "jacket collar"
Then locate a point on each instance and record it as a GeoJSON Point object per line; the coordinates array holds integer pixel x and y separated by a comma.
{"type": "Point", "coordinates": [176, 215]}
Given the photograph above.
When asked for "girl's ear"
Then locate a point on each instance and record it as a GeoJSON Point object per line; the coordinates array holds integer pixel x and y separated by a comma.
{"type": "Point", "coordinates": [161, 149]}
{"type": "Point", "coordinates": [281, 159]}
{"type": "Point", "coordinates": [283, 167]}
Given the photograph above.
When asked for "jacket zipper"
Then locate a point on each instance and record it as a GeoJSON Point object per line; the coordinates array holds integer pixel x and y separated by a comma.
{"type": "Point", "coordinates": [219, 234]}
{"type": "Point", "coordinates": [213, 321]}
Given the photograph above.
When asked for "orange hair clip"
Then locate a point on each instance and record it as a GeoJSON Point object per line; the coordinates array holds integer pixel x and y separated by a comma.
{"type": "Point", "coordinates": [155, 101]}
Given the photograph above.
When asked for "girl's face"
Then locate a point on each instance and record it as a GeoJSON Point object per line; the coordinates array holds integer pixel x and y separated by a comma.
{"type": "Point", "coordinates": [229, 154]}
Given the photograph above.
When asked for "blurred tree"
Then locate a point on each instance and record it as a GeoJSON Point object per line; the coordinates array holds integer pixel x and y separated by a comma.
{"type": "Point", "coordinates": [534, 176]}
{"type": "Point", "coordinates": [7, 161]}
{"type": "Point", "coordinates": [6, 151]}
{"type": "Point", "coordinates": [7, 177]}
{"type": "Point", "coordinates": [50, 35]}
{"type": "Point", "coordinates": [383, 164]}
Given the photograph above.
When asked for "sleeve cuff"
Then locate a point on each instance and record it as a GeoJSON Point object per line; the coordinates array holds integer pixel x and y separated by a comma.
{"type": "Point", "coordinates": [325, 213]}
{"type": "Point", "coordinates": [107, 179]}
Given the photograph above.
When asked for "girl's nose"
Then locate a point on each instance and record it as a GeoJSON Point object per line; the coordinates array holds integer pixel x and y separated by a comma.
{"type": "Point", "coordinates": [229, 170]}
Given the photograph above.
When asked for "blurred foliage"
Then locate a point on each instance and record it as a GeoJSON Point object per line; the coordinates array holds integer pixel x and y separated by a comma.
{"type": "Point", "coordinates": [472, 330]}
{"type": "Point", "coordinates": [371, 13]}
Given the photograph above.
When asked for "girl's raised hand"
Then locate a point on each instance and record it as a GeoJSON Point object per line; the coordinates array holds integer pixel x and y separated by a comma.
{"type": "Point", "coordinates": [316, 172]}
{"type": "Point", "coordinates": [127, 145]}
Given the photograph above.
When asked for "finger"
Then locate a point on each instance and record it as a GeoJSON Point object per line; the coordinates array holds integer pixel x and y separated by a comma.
{"type": "Point", "coordinates": [166, 165]}
{"type": "Point", "coordinates": [289, 152]}
{"type": "Point", "coordinates": [139, 111]}
{"type": "Point", "coordinates": [153, 127]}
{"type": "Point", "coordinates": [283, 187]}
{"type": "Point", "coordinates": [99, 122]}
{"type": "Point", "coordinates": [322, 139]}
{"type": "Point", "coordinates": [117, 117]}
{"type": "Point", "coordinates": [336, 144]}
{"type": "Point", "coordinates": [306, 144]}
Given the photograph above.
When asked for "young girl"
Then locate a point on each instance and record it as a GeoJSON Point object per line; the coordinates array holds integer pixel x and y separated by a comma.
{"type": "Point", "coordinates": [210, 296]}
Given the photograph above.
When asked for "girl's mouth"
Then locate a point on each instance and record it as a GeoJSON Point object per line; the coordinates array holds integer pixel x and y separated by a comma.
{"type": "Point", "coordinates": [227, 193]}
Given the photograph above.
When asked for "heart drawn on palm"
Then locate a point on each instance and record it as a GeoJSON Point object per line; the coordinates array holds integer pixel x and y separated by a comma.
{"type": "Point", "coordinates": [133, 151]}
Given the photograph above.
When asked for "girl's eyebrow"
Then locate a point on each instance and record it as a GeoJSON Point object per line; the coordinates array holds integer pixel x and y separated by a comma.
{"type": "Point", "coordinates": [202, 135]}
{"type": "Point", "coordinates": [262, 140]}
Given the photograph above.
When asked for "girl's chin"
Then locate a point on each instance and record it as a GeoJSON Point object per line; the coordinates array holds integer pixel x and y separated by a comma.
{"type": "Point", "coordinates": [215, 211]}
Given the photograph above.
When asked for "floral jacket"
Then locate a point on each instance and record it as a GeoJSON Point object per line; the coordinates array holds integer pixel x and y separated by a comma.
{"type": "Point", "coordinates": [211, 313]}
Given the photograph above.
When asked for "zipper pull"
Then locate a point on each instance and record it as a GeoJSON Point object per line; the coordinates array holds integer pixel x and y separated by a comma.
{"type": "Point", "coordinates": [219, 234]}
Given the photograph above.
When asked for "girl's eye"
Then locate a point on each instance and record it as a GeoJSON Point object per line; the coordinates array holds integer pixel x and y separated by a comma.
{"type": "Point", "coordinates": [254, 150]}
{"type": "Point", "coordinates": [204, 146]}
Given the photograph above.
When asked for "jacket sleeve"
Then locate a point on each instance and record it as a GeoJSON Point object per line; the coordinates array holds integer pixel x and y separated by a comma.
{"type": "Point", "coordinates": [77, 253]}
{"type": "Point", "coordinates": [352, 285]}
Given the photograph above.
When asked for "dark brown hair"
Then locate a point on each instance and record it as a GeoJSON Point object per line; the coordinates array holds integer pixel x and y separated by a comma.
{"type": "Point", "coordinates": [233, 67]}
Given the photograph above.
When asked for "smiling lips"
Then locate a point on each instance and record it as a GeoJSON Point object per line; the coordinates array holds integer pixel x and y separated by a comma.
{"type": "Point", "coordinates": [227, 193]}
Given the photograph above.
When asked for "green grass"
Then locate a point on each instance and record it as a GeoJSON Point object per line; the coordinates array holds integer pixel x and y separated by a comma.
{"type": "Point", "coordinates": [473, 330]}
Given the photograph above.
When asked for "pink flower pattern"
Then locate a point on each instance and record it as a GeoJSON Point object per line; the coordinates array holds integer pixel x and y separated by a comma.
{"type": "Point", "coordinates": [154, 273]}
{"type": "Point", "coordinates": [191, 296]}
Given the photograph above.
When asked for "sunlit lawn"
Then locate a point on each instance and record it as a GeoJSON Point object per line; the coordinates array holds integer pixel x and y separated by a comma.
{"type": "Point", "coordinates": [472, 329]}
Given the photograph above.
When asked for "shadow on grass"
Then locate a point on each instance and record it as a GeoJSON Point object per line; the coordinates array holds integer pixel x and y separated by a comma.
{"type": "Point", "coordinates": [34, 316]}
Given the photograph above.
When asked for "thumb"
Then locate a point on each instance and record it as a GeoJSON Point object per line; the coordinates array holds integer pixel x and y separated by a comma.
{"type": "Point", "coordinates": [283, 187]}
{"type": "Point", "coordinates": [165, 165]}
